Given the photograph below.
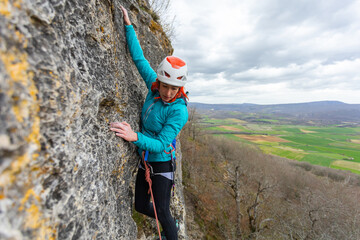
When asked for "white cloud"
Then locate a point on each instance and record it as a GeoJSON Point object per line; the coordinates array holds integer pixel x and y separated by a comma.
{"type": "Point", "coordinates": [270, 51]}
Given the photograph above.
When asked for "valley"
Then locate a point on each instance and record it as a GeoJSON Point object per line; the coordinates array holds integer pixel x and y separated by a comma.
{"type": "Point", "coordinates": [317, 141]}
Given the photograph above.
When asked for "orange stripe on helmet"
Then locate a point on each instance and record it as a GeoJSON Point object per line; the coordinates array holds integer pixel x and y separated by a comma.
{"type": "Point", "coordinates": [175, 62]}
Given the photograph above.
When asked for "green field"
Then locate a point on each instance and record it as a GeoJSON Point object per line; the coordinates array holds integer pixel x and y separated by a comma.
{"type": "Point", "coordinates": [330, 146]}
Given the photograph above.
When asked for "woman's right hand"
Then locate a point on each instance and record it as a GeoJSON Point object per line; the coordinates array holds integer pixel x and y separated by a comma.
{"type": "Point", "coordinates": [126, 16]}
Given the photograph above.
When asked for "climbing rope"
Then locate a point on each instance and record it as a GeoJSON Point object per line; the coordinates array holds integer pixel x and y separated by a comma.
{"type": "Point", "coordinates": [148, 179]}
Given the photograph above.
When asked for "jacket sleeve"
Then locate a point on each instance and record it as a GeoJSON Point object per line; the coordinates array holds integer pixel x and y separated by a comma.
{"type": "Point", "coordinates": [143, 65]}
{"type": "Point", "coordinates": [175, 122]}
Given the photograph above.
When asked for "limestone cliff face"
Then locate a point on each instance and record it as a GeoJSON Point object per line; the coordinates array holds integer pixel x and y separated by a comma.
{"type": "Point", "coordinates": [65, 74]}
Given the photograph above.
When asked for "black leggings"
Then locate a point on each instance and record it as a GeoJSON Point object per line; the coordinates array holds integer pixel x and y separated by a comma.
{"type": "Point", "coordinates": [161, 188]}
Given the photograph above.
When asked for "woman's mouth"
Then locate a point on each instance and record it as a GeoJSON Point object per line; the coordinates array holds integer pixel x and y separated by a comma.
{"type": "Point", "coordinates": [166, 99]}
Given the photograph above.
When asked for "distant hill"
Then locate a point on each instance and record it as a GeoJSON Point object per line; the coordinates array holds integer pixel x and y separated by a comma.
{"type": "Point", "coordinates": [322, 111]}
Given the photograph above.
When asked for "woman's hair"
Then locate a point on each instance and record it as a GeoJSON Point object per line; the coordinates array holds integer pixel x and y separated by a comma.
{"type": "Point", "coordinates": [181, 93]}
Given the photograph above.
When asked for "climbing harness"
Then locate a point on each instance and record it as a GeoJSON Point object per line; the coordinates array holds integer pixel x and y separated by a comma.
{"type": "Point", "coordinates": [148, 179]}
{"type": "Point", "coordinates": [149, 172]}
{"type": "Point", "coordinates": [168, 175]}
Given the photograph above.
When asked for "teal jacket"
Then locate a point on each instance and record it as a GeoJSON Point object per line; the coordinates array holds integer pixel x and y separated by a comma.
{"type": "Point", "coordinates": [161, 121]}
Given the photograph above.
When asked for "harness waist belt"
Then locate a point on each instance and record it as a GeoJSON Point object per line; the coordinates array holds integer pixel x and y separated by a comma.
{"type": "Point", "coordinates": [168, 175]}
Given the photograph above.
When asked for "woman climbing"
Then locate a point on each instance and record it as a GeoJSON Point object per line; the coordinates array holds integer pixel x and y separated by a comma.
{"type": "Point", "coordinates": [164, 114]}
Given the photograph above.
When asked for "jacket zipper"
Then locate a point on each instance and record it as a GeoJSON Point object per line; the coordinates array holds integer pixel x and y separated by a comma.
{"type": "Point", "coordinates": [148, 111]}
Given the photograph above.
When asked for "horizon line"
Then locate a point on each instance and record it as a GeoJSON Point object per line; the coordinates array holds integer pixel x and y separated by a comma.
{"type": "Point", "coordinates": [334, 101]}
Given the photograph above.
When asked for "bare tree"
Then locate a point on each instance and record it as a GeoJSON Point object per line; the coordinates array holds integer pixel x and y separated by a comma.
{"type": "Point", "coordinates": [192, 128]}
{"type": "Point", "coordinates": [256, 223]}
{"type": "Point", "coordinates": [237, 192]}
{"type": "Point", "coordinates": [161, 8]}
{"type": "Point", "coordinates": [234, 189]}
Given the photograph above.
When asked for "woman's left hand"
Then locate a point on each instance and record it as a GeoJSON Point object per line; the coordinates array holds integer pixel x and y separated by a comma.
{"type": "Point", "coordinates": [124, 131]}
{"type": "Point", "coordinates": [126, 16]}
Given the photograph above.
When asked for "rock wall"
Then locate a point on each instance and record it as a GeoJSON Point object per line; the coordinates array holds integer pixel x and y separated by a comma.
{"type": "Point", "coordinates": [65, 73]}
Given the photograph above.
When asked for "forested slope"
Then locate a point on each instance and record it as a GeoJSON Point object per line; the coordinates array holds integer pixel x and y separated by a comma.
{"type": "Point", "coordinates": [233, 191]}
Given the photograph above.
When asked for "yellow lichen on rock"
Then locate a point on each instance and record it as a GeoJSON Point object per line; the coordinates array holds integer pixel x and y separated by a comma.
{"type": "Point", "coordinates": [30, 194]}
{"type": "Point", "coordinates": [4, 8]}
{"type": "Point", "coordinates": [34, 135]}
{"type": "Point", "coordinates": [157, 29]}
{"type": "Point", "coordinates": [22, 92]}
{"type": "Point", "coordinates": [34, 216]}
{"type": "Point", "coordinates": [21, 38]}
{"type": "Point", "coordinates": [21, 110]}
{"type": "Point", "coordinates": [8, 176]}
{"type": "Point", "coordinates": [20, 163]}
{"type": "Point", "coordinates": [16, 65]}
{"type": "Point", "coordinates": [17, 68]}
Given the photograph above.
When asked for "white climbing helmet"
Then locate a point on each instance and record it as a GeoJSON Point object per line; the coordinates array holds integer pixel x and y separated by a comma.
{"type": "Point", "coordinates": [173, 71]}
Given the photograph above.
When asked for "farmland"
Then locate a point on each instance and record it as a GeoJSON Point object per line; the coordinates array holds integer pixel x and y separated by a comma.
{"type": "Point", "coordinates": [332, 146]}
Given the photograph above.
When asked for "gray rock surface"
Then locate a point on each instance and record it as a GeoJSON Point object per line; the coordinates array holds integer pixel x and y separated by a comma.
{"type": "Point", "coordinates": [65, 74]}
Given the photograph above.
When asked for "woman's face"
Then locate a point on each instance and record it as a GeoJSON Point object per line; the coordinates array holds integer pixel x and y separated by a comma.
{"type": "Point", "coordinates": [167, 92]}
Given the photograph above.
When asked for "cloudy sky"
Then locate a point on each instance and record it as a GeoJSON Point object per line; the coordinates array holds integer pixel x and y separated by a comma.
{"type": "Point", "coordinates": [269, 51]}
